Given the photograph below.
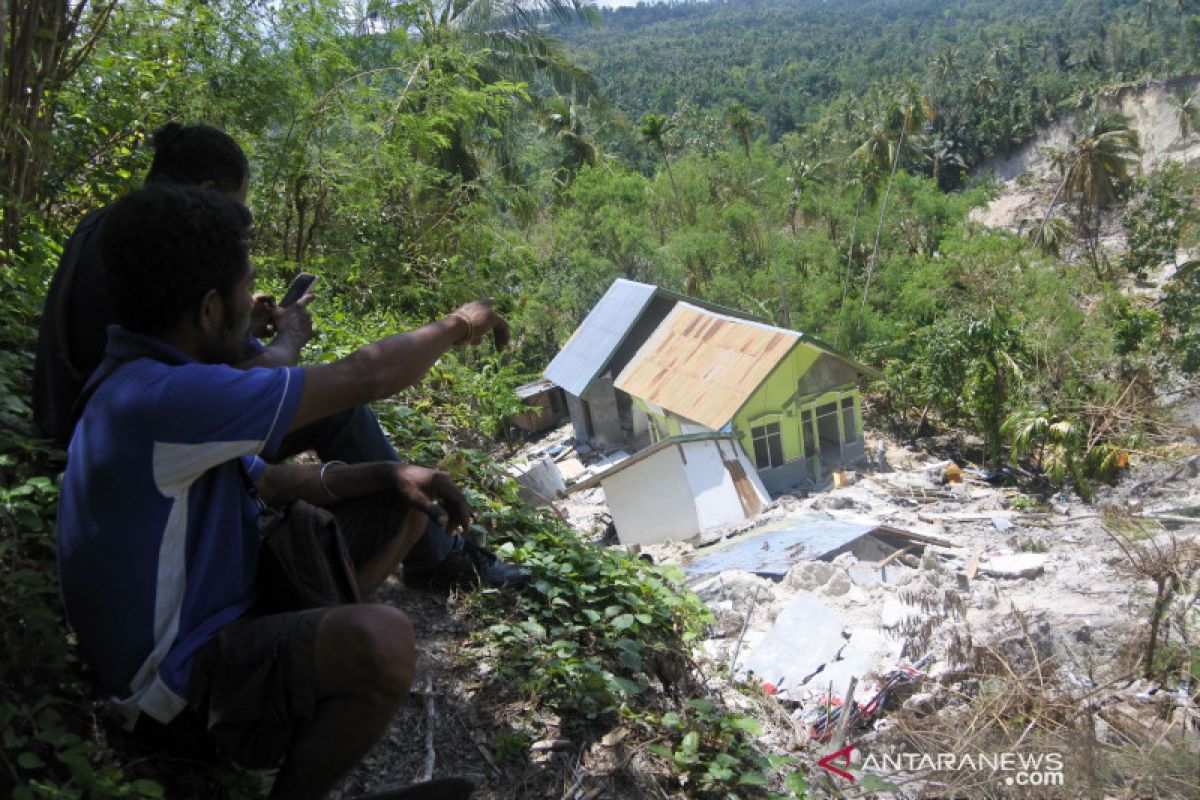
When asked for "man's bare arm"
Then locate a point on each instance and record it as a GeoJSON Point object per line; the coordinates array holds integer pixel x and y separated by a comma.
{"type": "Point", "coordinates": [428, 491]}
{"type": "Point", "coordinates": [391, 365]}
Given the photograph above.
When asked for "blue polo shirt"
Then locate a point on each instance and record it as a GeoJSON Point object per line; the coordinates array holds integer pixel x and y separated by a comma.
{"type": "Point", "coordinates": [157, 535]}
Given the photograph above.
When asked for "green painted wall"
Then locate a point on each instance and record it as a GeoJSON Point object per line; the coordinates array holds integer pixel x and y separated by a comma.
{"type": "Point", "coordinates": [776, 400]}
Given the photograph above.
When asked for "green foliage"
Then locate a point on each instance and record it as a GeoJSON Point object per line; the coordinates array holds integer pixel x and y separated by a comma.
{"type": "Point", "coordinates": [994, 73]}
{"type": "Point", "coordinates": [710, 747]}
{"type": "Point", "coordinates": [419, 155]}
{"type": "Point", "coordinates": [1181, 315]}
{"type": "Point", "coordinates": [600, 628]}
{"type": "Point", "coordinates": [1154, 222]}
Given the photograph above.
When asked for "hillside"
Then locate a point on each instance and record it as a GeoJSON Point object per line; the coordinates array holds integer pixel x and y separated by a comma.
{"type": "Point", "coordinates": [1028, 177]}
{"type": "Point", "coordinates": [787, 60]}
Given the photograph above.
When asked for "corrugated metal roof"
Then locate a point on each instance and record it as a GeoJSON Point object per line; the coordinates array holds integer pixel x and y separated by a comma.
{"type": "Point", "coordinates": [774, 548]}
{"type": "Point", "coordinates": [599, 335]}
{"type": "Point", "coordinates": [704, 366]}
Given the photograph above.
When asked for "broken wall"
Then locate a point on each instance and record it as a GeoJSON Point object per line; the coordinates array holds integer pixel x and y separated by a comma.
{"type": "Point", "coordinates": [651, 501]}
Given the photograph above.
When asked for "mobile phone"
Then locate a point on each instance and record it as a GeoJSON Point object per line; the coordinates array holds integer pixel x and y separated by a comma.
{"type": "Point", "coordinates": [300, 285]}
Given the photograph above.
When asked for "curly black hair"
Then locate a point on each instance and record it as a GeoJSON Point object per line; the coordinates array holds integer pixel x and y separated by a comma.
{"type": "Point", "coordinates": [197, 153]}
{"type": "Point", "coordinates": [164, 247]}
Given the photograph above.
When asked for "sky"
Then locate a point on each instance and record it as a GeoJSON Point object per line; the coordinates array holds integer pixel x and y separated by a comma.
{"type": "Point", "coordinates": [619, 3]}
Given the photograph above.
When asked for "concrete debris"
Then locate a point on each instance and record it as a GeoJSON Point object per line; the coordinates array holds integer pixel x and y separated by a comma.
{"type": "Point", "coordinates": [1019, 565]}
{"type": "Point", "coordinates": [898, 567]}
{"type": "Point", "coordinates": [806, 635]}
{"type": "Point", "coordinates": [539, 480]}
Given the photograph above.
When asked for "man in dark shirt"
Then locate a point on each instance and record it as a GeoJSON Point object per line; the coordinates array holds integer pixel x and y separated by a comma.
{"type": "Point", "coordinates": [159, 530]}
{"type": "Point", "coordinates": [73, 334]}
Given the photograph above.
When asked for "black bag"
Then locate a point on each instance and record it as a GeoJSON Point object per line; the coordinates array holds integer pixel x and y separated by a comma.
{"type": "Point", "coordinates": [303, 562]}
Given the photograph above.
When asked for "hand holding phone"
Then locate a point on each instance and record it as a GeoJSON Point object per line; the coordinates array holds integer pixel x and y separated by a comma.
{"type": "Point", "coordinates": [300, 286]}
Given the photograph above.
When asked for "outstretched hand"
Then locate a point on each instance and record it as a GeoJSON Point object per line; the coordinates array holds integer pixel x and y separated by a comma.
{"type": "Point", "coordinates": [480, 319]}
{"type": "Point", "coordinates": [434, 494]}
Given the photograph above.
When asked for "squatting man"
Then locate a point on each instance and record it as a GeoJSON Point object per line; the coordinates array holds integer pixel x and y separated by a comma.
{"type": "Point", "coordinates": [159, 530]}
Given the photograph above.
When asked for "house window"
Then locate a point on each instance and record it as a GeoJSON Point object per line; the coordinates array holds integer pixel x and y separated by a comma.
{"type": "Point", "coordinates": [807, 448]}
{"type": "Point", "coordinates": [768, 445]}
{"type": "Point", "coordinates": [828, 433]}
{"type": "Point", "coordinates": [849, 426]}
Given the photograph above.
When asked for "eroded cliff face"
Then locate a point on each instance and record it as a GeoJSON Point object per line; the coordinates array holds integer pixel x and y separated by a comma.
{"type": "Point", "coordinates": [1028, 177]}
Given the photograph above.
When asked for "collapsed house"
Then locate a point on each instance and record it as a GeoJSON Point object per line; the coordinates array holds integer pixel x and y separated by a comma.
{"type": "Point", "coordinates": [792, 400]}
{"type": "Point", "coordinates": [624, 318]}
{"type": "Point", "coordinates": [680, 487]}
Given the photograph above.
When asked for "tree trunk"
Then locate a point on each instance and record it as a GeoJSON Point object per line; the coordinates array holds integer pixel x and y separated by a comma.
{"type": "Point", "coordinates": [35, 59]}
{"type": "Point", "coordinates": [1037, 240]}
{"type": "Point", "coordinates": [879, 230]}
{"type": "Point", "coordinates": [674, 189]}
{"type": "Point", "coordinates": [850, 258]}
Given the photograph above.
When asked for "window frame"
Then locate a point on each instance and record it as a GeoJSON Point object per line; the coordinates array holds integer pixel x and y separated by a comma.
{"type": "Point", "coordinates": [772, 442]}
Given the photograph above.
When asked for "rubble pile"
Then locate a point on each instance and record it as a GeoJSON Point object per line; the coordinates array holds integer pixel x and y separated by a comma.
{"type": "Point", "coordinates": [953, 577]}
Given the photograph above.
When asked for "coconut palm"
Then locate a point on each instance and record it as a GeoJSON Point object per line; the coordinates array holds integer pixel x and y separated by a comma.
{"type": "Point", "coordinates": [742, 124]}
{"type": "Point", "coordinates": [1152, 10]}
{"type": "Point", "coordinates": [1188, 111]}
{"type": "Point", "coordinates": [943, 153]}
{"type": "Point", "coordinates": [561, 119]}
{"type": "Point", "coordinates": [653, 131]}
{"type": "Point", "coordinates": [905, 118]}
{"type": "Point", "coordinates": [945, 64]}
{"type": "Point", "coordinates": [511, 36]}
{"type": "Point", "coordinates": [998, 55]}
{"type": "Point", "coordinates": [1097, 170]}
{"type": "Point", "coordinates": [1050, 237]}
{"type": "Point", "coordinates": [985, 87]}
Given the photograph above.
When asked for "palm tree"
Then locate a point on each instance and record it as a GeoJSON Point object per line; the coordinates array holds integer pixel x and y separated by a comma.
{"type": "Point", "coordinates": [1153, 11]}
{"type": "Point", "coordinates": [653, 131]}
{"type": "Point", "coordinates": [805, 173]}
{"type": "Point", "coordinates": [943, 153]}
{"type": "Point", "coordinates": [985, 87]}
{"type": "Point", "coordinates": [561, 119]}
{"type": "Point", "coordinates": [998, 55]}
{"type": "Point", "coordinates": [944, 65]}
{"type": "Point", "coordinates": [1097, 170]}
{"type": "Point", "coordinates": [907, 118]}
{"type": "Point", "coordinates": [742, 124]}
{"type": "Point", "coordinates": [1188, 111]}
{"type": "Point", "coordinates": [511, 37]}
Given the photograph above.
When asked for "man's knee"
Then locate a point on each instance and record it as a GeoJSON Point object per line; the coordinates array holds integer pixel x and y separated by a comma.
{"type": "Point", "coordinates": [369, 647]}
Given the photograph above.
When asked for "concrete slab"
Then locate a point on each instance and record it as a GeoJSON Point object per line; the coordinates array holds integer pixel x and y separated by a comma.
{"type": "Point", "coordinates": [867, 652]}
{"type": "Point", "coordinates": [807, 634]}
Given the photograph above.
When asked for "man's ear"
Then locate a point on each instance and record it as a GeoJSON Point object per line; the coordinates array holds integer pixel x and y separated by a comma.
{"type": "Point", "coordinates": [209, 315]}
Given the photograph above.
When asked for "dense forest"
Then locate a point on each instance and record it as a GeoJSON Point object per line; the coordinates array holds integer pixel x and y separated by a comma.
{"type": "Point", "coordinates": [808, 162]}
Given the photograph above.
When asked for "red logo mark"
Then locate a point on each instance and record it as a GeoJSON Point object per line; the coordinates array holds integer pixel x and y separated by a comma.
{"type": "Point", "coordinates": [844, 753]}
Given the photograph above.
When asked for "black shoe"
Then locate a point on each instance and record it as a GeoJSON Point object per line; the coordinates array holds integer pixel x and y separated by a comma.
{"type": "Point", "coordinates": [466, 567]}
{"type": "Point", "coordinates": [440, 789]}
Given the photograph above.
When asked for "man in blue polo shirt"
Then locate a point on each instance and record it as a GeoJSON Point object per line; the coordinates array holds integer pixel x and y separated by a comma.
{"type": "Point", "coordinates": [159, 533]}
{"type": "Point", "coordinates": [73, 333]}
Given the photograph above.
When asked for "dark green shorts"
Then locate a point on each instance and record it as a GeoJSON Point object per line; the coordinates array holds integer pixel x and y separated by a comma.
{"type": "Point", "coordinates": [253, 687]}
